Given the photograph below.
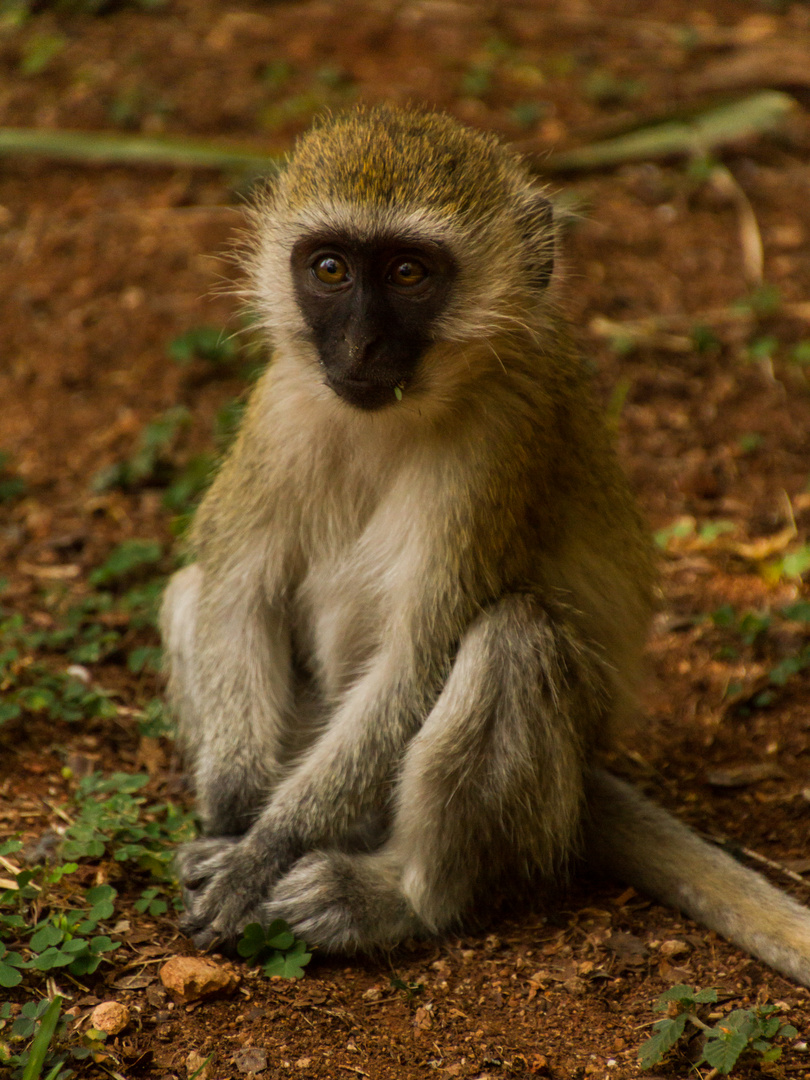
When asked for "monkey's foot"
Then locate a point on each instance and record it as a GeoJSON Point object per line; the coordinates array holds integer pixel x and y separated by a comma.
{"type": "Point", "coordinates": [342, 903]}
{"type": "Point", "coordinates": [225, 887]}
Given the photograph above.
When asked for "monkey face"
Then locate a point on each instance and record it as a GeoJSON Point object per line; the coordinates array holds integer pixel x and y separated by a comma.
{"type": "Point", "coordinates": [370, 307]}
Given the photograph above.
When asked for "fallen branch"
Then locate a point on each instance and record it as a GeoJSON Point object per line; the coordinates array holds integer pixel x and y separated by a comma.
{"type": "Point", "coordinates": [87, 147]}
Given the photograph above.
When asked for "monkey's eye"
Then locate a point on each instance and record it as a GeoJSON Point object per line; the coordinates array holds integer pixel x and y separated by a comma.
{"type": "Point", "coordinates": [331, 270]}
{"type": "Point", "coordinates": [406, 273]}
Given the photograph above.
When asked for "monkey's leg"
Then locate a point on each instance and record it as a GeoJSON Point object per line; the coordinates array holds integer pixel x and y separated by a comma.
{"type": "Point", "coordinates": [342, 781]}
{"type": "Point", "coordinates": [491, 789]}
{"type": "Point", "coordinates": [229, 682]}
{"type": "Point", "coordinates": [640, 843]}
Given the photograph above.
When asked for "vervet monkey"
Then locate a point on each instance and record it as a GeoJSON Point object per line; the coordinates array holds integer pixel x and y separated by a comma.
{"type": "Point", "coordinates": [421, 584]}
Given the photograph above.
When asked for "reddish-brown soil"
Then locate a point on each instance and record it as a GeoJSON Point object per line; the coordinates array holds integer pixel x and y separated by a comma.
{"type": "Point", "coordinates": [100, 268]}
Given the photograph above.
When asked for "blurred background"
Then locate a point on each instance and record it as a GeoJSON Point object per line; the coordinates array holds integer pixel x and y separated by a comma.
{"type": "Point", "coordinates": [675, 137]}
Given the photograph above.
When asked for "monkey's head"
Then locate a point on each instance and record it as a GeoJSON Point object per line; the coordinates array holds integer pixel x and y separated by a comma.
{"type": "Point", "coordinates": [390, 232]}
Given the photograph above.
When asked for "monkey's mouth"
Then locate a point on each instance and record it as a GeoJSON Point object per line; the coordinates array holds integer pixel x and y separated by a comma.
{"type": "Point", "coordinates": [365, 393]}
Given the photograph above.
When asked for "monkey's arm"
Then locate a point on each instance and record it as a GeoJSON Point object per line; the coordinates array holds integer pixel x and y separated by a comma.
{"type": "Point", "coordinates": [228, 655]}
{"type": "Point", "coordinates": [637, 842]}
{"type": "Point", "coordinates": [346, 776]}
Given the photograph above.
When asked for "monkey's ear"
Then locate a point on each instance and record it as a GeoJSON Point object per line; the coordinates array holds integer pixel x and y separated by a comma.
{"type": "Point", "coordinates": [536, 222]}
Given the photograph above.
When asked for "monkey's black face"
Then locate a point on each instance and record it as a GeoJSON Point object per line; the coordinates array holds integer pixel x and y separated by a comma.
{"type": "Point", "coordinates": [371, 307]}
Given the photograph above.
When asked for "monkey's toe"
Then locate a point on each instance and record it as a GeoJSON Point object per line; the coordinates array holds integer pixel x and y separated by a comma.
{"type": "Point", "coordinates": [341, 903]}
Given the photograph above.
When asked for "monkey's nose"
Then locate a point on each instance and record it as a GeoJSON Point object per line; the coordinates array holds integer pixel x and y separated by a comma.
{"type": "Point", "coordinates": [361, 347]}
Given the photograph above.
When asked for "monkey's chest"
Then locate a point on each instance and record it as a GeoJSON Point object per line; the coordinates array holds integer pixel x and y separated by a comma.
{"type": "Point", "coordinates": [338, 616]}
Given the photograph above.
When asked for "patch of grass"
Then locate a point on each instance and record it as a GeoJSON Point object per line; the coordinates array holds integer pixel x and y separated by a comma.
{"type": "Point", "coordinates": [47, 920]}
{"type": "Point", "coordinates": [527, 114]}
{"type": "Point", "coordinates": [209, 343]}
{"type": "Point", "coordinates": [754, 629]}
{"type": "Point", "coordinates": [795, 564]}
{"type": "Point", "coordinates": [749, 1034]}
{"type": "Point", "coordinates": [750, 442]}
{"type": "Point", "coordinates": [151, 462]}
{"type": "Point", "coordinates": [762, 348]}
{"type": "Point", "coordinates": [410, 990]}
{"type": "Point", "coordinates": [605, 88]}
{"type": "Point", "coordinates": [704, 339]}
{"type": "Point", "coordinates": [11, 487]}
{"type": "Point", "coordinates": [125, 561]}
{"type": "Point", "coordinates": [686, 528]}
{"type": "Point", "coordinates": [39, 51]}
{"type": "Point", "coordinates": [38, 1022]}
{"type": "Point", "coordinates": [330, 87]}
{"type": "Point", "coordinates": [276, 75]}
{"type": "Point", "coordinates": [29, 686]}
{"type": "Point", "coordinates": [763, 301]}
{"type": "Point", "coordinates": [114, 820]}
{"type": "Point", "coordinates": [478, 79]}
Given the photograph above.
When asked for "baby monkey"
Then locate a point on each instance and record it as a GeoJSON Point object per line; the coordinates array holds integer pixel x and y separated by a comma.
{"type": "Point", "coordinates": [421, 585]}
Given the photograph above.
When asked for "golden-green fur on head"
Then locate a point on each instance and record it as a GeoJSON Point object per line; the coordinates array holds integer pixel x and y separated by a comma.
{"type": "Point", "coordinates": [392, 157]}
{"type": "Point", "coordinates": [412, 175]}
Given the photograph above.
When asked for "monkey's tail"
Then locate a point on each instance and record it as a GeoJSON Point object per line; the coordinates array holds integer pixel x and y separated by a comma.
{"type": "Point", "coordinates": [638, 842]}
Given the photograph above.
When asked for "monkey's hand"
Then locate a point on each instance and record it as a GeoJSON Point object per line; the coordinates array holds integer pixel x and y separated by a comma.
{"type": "Point", "coordinates": [226, 886]}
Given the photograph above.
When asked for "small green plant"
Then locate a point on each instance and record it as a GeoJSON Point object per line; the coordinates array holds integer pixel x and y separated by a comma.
{"type": "Point", "coordinates": [11, 487]}
{"type": "Point", "coordinates": [750, 442]}
{"type": "Point", "coordinates": [150, 463]}
{"type": "Point", "coordinates": [47, 920]}
{"type": "Point", "coordinates": [764, 300]}
{"type": "Point", "coordinates": [41, 1025]}
{"type": "Point", "coordinates": [477, 80]}
{"type": "Point", "coordinates": [62, 938]}
{"type": "Point", "coordinates": [155, 721]}
{"type": "Point", "coordinates": [409, 989]}
{"type": "Point", "coordinates": [753, 629]}
{"type": "Point", "coordinates": [686, 528]}
{"type": "Point", "coordinates": [113, 817]}
{"type": "Point", "coordinates": [276, 75]}
{"type": "Point", "coordinates": [743, 1032]}
{"type": "Point", "coordinates": [125, 560]}
{"type": "Point", "coordinates": [605, 88]}
{"type": "Point", "coordinates": [763, 348]}
{"type": "Point", "coordinates": [750, 625]}
{"type": "Point", "coordinates": [526, 114]}
{"type": "Point", "coordinates": [704, 339]}
{"type": "Point", "coordinates": [68, 939]}
{"type": "Point", "coordinates": [275, 948]}
{"type": "Point", "coordinates": [39, 51]}
{"type": "Point", "coordinates": [10, 964]}
{"type": "Point", "coordinates": [38, 1022]}
{"type": "Point", "coordinates": [794, 564]}
{"type": "Point", "coordinates": [209, 343]}
{"type": "Point", "coordinates": [31, 688]}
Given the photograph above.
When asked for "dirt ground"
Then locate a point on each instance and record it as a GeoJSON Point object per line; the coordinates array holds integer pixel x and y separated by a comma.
{"type": "Point", "coordinates": [102, 267]}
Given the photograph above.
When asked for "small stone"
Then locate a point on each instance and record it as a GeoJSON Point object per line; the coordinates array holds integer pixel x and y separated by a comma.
{"type": "Point", "coordinates": [673, 948]}
{"type": "Point", "coordinates": [110, 1017]}
{"type": "Point", "coordinates": [303, 1063]}
{"type": "Point", "coordinates": [422, 1019]}
{"type": "Point", "coordinates": [251, 1060]}
{"type": "Point", "coordinates": [189, 978]}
